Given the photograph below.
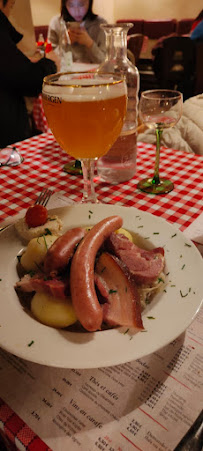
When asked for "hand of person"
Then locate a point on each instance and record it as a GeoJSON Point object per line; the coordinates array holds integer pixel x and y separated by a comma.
{"type": "Point", "coordinates": [81, 36]}
{"type": "Point", "coordinates": [54, 57]}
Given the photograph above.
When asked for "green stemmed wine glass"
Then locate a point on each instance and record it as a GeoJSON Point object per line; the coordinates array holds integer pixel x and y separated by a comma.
{"type": "Point", "coordinates": [159, 109]}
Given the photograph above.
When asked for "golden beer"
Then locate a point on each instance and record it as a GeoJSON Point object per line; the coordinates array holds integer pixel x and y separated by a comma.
{"type": "Point", "coordinates": [85, 125]}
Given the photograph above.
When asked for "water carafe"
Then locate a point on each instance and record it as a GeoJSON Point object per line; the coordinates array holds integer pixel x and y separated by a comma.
{"type": "Point", "coordinates": [119, 164]}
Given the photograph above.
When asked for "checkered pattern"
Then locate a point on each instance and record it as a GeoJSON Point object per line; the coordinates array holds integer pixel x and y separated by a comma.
{"type": "Point", "coordinates": [16, 434]}
{"type": "Point", "coordinates": [39, 116]}
{"type": "Point", "coordinates": [43, 167]}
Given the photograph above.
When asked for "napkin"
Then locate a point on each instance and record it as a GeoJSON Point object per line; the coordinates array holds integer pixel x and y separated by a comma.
{"type": "Point", "coordinates": [195, 232]}
{"type": "Point", "coordinates": [56, 200]}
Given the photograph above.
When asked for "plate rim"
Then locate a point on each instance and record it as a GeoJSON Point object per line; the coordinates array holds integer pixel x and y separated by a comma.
{"type": "Point", "coordinates": [31, 356]}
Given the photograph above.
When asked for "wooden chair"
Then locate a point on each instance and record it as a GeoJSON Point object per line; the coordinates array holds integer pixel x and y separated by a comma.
{"type": "Point", "coordinates": [199, 68]}
{"type": "Point", "coordinates": [176, 65]}
{"type": "Point", "coordinates": [134, 44]}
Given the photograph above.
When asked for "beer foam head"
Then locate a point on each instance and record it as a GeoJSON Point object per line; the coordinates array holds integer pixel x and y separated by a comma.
{"type": "Point", "coordinates": [84, 87]}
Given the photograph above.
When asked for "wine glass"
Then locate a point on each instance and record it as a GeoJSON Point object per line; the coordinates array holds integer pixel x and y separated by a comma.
{"type": "Point", "coordinates": [85, 111]}
{"type": "Point", "coordinates": [10, 156]}
{"type": "Point", "coordinates": [159, 109]}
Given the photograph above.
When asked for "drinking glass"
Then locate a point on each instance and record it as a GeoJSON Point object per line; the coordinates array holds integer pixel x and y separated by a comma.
{"type": "Point", "coordinates": [10, 156]}
{"type": "Point", "coordinates": [85, 112]}
{"type": "Point", "coordinates": [159, 109]}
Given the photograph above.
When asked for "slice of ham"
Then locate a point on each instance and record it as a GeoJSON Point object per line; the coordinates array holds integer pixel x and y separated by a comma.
{"type": "Point", "coordinates": [144, 265]}
{"type": "Point", "coordinates": [53, 287]}
{"type": "Point", "coordinates": [122, 306]}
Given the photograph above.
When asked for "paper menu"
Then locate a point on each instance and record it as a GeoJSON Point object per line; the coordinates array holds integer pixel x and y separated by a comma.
{"type": "Point", "coordinates": [146, 404]}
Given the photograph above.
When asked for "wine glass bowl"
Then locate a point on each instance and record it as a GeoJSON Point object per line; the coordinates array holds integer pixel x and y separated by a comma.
{"type": "Point", "coordinates": [159, 109]}
{"type": "Point", "coordinates": [85, 112]}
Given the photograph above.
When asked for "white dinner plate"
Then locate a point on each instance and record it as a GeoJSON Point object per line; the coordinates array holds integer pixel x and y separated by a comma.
{"type": "Point", "coordinates": [172, 310]}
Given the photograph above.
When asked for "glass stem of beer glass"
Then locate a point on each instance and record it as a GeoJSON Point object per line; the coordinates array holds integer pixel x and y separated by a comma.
{"type": "Point", "coordinates": [88, 165]}
{"type": "Point", "coordinates": [156, 179]}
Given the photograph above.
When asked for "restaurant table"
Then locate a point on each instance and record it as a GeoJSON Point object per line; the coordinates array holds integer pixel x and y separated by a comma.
{"type": "Point", "coordinates": [20, 185]}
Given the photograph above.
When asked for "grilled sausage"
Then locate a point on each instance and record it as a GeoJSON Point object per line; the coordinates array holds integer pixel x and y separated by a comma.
{"type": "Point", "coordinates": [83, 294]}
{"type": "Point", "coordinates": [59, 254]}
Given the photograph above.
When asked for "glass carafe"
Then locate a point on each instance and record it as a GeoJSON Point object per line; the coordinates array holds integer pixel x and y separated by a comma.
{"type": "Point", "coordinates": [119, 164]}
{"type": "Point", "coordinates": [65, 52]}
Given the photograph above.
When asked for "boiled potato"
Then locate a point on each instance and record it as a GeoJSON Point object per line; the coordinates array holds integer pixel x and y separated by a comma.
{"type": "Point", "coordinates": [53, 312]}
{"type": "Point", "coordinates": [36, 251]}
{"type": "Point", "coordinates": [126, 233]}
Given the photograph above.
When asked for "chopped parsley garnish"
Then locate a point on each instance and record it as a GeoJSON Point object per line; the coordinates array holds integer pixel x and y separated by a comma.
{"type": "Point", "coordinates": [127, 330]}
{"type": "Point", "coordinates": [183, 267]}
{"type": "Point", "coordinates": [147, 301]}
{"type": "Point", "coordinates": [31, 273]}
{"type": "Point", "coordinates": [112, 291]}
{"type": "Point", "coordinates": [160, 280]}
{"type": "Point", "coordinates": [151, 317]}
{"type": "Point", "coordinates": [183, 295]}
{"type": "Point", "coordinates": [39, 267]}
{"type": "Point", "coordinates": [103, 269]}
{"type": "Point", "coordinates": [188, 245]}
{"type": "Point", "coordinates": [173, 235]}
{"type": "Point", "coordinates": [45, 242]}
{"type": "Point", "coordinates": [48, 232]}
{"type": "Point", "coordinates": [155, 233]}
{"type": "Point", "coordinates": [31, 343]}
{"type": "Point", "coordinates": [140, 227]}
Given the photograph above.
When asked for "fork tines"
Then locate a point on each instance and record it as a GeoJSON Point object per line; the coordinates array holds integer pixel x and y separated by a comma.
{"type": "Point", "coordinates": [44, 197]}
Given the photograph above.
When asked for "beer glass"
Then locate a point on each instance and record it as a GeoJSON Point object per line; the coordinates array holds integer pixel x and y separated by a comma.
{"type": "Point", "coordinates": [85, 112]}
{"type": "Point", "coordinates": [159, 109]}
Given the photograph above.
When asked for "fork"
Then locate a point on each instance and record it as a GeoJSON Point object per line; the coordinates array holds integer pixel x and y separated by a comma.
{"type": "Point", "coordinates": [43, 197]}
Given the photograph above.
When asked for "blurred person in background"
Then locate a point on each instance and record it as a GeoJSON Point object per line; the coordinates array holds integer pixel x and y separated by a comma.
{"type": "Point", "coordinates": [197, 33]}
{"type": "Point", "coordinates": [86, 38]}
{"type": "Point", "coordinates": [19, 77]}
{"type": "Point", "coordinates": [197, 20]}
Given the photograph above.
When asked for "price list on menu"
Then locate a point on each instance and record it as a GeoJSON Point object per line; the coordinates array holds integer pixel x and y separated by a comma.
{"type": "Point", "coordinates": [148, 404]}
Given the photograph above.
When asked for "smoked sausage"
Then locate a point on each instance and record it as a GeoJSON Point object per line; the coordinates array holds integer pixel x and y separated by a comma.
{"type": "Point", "coordinates": [59, 254]}
{"type": "Point", "coordinates": [84, 299]}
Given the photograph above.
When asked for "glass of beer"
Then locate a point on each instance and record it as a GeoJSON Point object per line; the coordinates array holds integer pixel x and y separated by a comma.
{"type": "Point", "coordinates": [85, 112]}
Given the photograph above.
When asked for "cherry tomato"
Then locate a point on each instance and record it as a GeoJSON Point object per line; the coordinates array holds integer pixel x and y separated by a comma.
{"type": "Point", "coordinates": [36, 216]}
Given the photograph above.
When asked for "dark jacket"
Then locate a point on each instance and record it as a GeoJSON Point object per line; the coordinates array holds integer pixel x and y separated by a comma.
{"type": "Point", "coordinates": [19, 77]}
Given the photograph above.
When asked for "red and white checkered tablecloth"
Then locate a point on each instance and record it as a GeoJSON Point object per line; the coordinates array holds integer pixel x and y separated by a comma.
{"type": "Point", "coordinates": [39, 116]}
{"type": "Point", "coordinates": [43, 167]}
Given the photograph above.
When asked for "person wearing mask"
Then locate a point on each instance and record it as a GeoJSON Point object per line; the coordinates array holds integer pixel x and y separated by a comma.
{"type": "Point", "coordinates": [84, 35]}
{"type": "Point", "coordinates": [19, 77]}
